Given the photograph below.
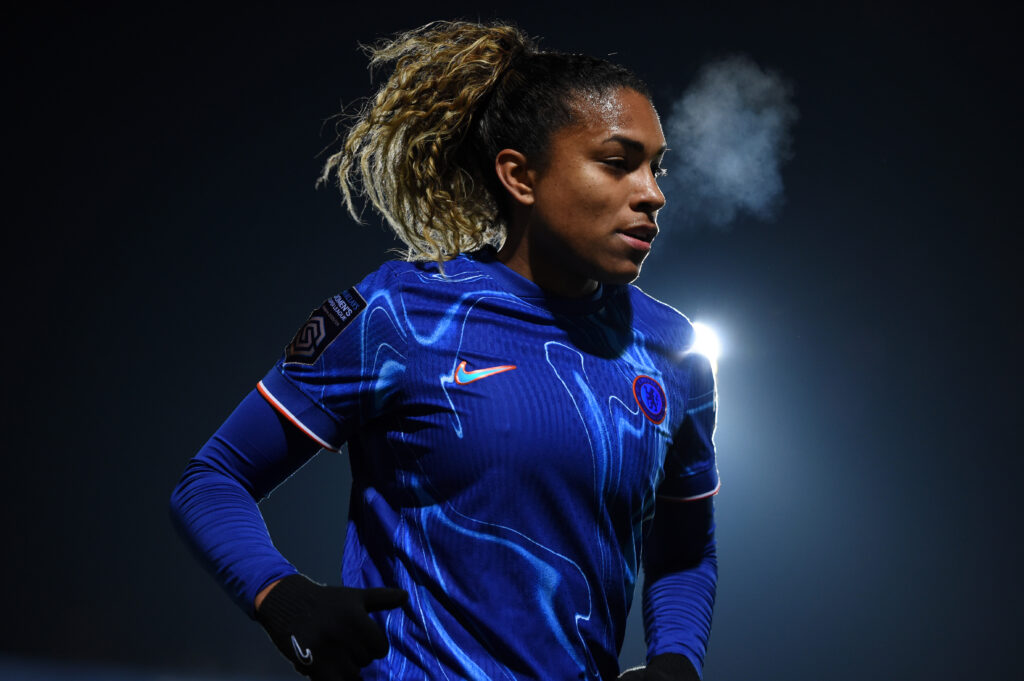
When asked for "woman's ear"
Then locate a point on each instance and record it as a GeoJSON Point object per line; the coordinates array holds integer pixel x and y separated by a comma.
{"type": "Point", "coordinates": [515, 175]}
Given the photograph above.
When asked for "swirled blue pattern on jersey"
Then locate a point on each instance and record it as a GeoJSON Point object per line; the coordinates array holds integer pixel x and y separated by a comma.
{"type": "Point", "coordinates": [510, 506]}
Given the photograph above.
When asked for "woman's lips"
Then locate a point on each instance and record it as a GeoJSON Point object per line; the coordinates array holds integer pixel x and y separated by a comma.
{"type": "Point", "coordinates": [640, 235]}
{"type": "Point", "coordinates": [635, 242]}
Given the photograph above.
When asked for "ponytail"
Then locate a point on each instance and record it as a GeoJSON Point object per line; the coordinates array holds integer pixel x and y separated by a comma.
{"type": "Point", "coordinates": [403, 150]}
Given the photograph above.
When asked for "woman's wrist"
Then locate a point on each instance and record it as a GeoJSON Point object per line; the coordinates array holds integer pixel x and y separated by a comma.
{"type": "Point", "coordinates": [263, 593]}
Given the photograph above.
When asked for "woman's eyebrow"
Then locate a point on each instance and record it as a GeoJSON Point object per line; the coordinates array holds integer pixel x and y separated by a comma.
{"type": "Point", "coordinates": [633, 144]}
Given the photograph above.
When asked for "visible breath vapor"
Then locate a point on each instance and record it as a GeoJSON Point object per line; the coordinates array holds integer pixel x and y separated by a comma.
{"type": "Point", "coordinates": [729, 134]}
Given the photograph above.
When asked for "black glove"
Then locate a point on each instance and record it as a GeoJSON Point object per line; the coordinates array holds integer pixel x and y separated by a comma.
{"type": "Point", "coordinates": [325, 630]}
{"type": "Point", "coordinates": [664, 667]}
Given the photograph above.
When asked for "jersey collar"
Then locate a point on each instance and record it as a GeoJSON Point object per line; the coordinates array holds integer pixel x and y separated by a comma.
{"type": "Point", "coordinates": [486, 261]}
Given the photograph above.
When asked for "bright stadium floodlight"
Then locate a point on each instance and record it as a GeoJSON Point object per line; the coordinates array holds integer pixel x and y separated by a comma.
{"type": "Point", "coordinates": [706, 343]}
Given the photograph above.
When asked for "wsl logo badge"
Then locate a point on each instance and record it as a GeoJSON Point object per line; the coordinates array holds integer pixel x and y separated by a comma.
{"type": "Point", "coordinates": [650, 396]}
{"type": "Point", "coordinates": [309, 337]}
{"type": "Point", "coordinates": [323, 326]}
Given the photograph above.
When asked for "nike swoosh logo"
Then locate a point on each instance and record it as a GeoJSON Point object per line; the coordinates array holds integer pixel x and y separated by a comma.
{"type": "Point", "coordinates": [305, 656]}
{"type": "Point", "coordinates": [462, 377]}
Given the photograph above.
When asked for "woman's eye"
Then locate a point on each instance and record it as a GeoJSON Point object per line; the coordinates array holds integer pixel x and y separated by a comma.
{"type": "Point", "coordinates": [659, 171]}
{"type": "Point", "coordinates": [616, 162]}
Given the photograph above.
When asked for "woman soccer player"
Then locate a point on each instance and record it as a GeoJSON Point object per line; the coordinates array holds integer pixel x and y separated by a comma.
{"type": "Point", "coordinates": [524, 427]}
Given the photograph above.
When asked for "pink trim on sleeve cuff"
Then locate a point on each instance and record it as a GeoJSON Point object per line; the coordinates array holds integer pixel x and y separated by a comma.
{"type": "Point", "coordinates": [274, 402]}
{"type": "Point", "coordinates": [705, 495]}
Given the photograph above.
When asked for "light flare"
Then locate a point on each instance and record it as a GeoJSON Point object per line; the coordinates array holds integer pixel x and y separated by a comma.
{"type": "Point", "coordinates": [706, 343]}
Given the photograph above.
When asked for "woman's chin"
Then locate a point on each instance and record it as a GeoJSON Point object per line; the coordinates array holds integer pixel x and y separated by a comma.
{"type": "Point", "coordinates": [621, 275]}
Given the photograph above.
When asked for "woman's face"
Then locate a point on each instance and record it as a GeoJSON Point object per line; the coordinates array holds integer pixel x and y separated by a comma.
{"type": "Point", "coordinates": [591, 211]}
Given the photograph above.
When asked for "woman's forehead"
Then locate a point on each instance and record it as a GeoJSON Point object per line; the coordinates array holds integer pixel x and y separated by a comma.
{"type": "Point", "coordinates": [617, 112]}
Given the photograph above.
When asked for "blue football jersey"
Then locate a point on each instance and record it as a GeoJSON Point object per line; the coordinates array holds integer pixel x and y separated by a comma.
{"type": "Point", "coordinates": [506, 448]}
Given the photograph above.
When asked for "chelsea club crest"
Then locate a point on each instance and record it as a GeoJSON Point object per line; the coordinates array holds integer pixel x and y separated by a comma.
{"type": "Point", "coordinates": [651, 397]}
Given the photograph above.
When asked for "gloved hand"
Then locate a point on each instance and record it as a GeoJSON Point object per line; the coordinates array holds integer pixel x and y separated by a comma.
{"type": "Point", "coordinates": [664, 667]}
{"type": "Point", "coordinates": [325, 630]}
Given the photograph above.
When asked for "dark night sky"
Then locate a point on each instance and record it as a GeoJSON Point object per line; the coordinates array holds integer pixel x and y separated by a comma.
{"type": "Point", "coordinates": [166, 240]}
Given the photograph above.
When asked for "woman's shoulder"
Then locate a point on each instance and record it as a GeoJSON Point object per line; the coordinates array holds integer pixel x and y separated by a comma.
{"type": "Point", "coordinates": [412, 277]}
{"type": "Point", "coordinates": [659, 317]}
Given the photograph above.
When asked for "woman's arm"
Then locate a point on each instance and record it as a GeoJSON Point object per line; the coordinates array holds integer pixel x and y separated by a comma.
{"type": "Point", "coordinates": [324, 631]}
{"type": "Point", "coordinates": [680, 579]}
{"type": "Point", "coordinates": [680, 560]}
{"type": "Point", "coordinates": [214, 505]}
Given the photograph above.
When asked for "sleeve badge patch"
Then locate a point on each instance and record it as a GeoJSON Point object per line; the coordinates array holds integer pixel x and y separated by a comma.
{"type": "Point", "coordinates": [323, 326]}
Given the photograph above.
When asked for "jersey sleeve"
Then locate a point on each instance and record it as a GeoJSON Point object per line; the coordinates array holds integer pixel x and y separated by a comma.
{"type": "Point", "coordinates": [691, 472]}
{"type": "Point", "coordinates": [680, 580]}
{"type": "Point", "coordinates": [345, 363]}
{"type": "Point", "coordinates": [214, 505]}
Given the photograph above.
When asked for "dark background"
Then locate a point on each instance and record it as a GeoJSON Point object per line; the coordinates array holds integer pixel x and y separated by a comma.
{"type": "Point", "coordinates": [163, 241]}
